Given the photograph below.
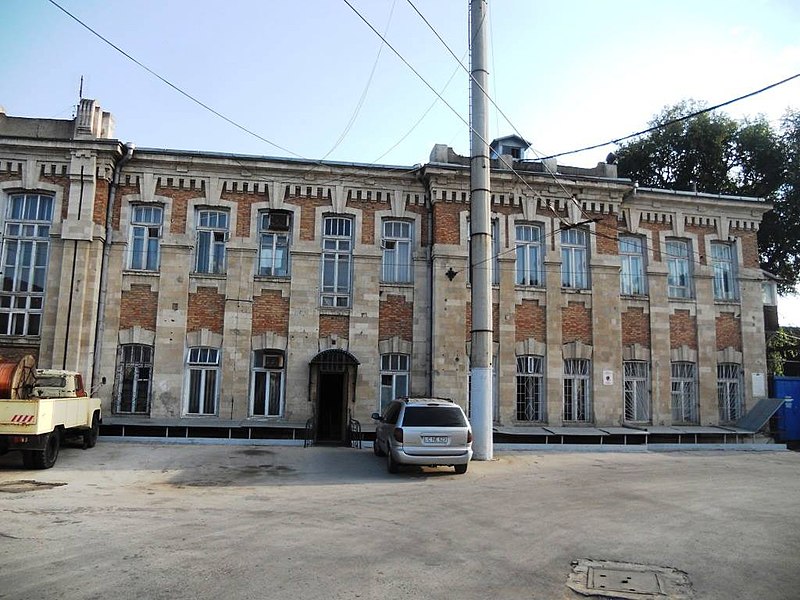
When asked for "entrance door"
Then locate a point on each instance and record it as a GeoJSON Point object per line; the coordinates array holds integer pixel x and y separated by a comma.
{"type": "Point", "coordinates": [330, 413]}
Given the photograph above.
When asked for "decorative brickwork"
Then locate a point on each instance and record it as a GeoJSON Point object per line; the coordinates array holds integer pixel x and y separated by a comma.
{"type": "Point", "coordinates": [700, 249]}
{"type": "Point", "coordinates": [138, 307]}
{"type": "Point", "coordinates": [446, 219]}
{"type": "Point", "coordinates": [122, 191]}
{"type": "Point", "coordinates": [729, 332]}
{"type": "Point", "coordinates": [271, 313]}
{"type": "Point", "coordinates": [334, 325]}
{"type": "Point", "coordinates": [660, 230]}
{"type": "Point", "coordinates": [635, 327]}
{"type": "Point", "coordinates": [606, 235]}
{"type": "Point", "coordinates": [100, 209]}
{"type": "Point", "coordinates": [576, 323]}
{"type": "Point", "coordinates": [180, 206]}
{"type": "Point", "coordinates": [749, 242]}
{"type": "Point", "coordinates": [682, 330]}
{"type": "Point", "coordinates": [530, 320]}
{"type": "Point", "coordinates": [206, 310]}
{"type": "Point", "coordinates": [309, 228]}
{"type": "Point", "coordinates": [244, 203]}
{"type": "Point", "coordinates": [396, 318]}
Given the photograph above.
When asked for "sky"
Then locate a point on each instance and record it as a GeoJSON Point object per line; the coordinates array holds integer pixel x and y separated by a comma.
{"type": "Point", "coordinates": [315, 81]}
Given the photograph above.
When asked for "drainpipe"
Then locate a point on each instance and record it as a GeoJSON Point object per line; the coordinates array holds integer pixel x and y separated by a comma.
{"type": "Point", "coordinates": [101, 303]}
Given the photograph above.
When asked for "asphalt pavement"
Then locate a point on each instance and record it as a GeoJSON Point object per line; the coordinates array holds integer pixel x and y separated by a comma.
{"type": "Point", "coordinates": [150, 521]}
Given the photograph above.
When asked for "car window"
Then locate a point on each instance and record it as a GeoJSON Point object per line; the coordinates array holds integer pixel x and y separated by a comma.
{"type": "Point", "coordinates": [433, 416]}
{"type": "Point", "coordinates": [392, 412]}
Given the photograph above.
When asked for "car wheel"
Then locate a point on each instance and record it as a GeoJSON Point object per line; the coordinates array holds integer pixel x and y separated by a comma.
{"type": "Point", "coordinates": [461, 469]}
{"type": "Point", "coordinates": [391, 464]}
{"type": "Point", "coordinates": [376, 448]}
{"type": "Point", "coordinates": [90, 436]}
{"type": "Point", "coordinates": [44, 459]}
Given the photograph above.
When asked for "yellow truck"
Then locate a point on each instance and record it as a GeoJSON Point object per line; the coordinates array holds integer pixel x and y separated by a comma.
{"type": "Point", "coordinates": [40, 408]}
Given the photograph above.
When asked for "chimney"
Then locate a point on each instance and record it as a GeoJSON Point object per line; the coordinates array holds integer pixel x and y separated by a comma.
{"type": "Point", "coordinates": [92, 122]}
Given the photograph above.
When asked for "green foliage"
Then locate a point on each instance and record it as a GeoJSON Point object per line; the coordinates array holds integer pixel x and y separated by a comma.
{"type": "Point", "coordinates": [782, 347]}
{"type": "Point", "coordinates": [716, 154]}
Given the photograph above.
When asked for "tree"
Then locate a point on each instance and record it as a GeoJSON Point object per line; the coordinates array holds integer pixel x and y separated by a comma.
{"type": "Point", "coordinates": [713, 153]}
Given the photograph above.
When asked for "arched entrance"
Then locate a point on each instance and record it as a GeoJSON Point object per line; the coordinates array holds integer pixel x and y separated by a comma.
{"type": "Point", "coordinates": [332, 388]}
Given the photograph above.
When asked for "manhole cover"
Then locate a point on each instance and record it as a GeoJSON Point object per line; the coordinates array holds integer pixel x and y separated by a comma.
{"type": "Point", "coordinates": [26, 485]}
{"type": "Point", "coordinates": [628, 581]}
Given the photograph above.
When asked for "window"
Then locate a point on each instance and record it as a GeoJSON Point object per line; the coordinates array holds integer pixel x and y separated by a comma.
{"type": "Point", "coordinates": [574, 263]}
{"type": "Point", "coordinates": [529, 255]}
{"type": "Point", "coordinates": [273, 250]}
{"type": "Point", "coordinates": [729, 391]}
{"type": "Point", "coordinates": [724, 264]}
{"type": "Point", "coordinates": [337, 248]}
{"type": "Point", "coordinates": [769, 293]}
{"type": "Point", "coordinates": [267, 383]}
{"type": "Point", "coordinates": [396, 245]}
{"type": "Point", "coordinates": [394, 377]}
{"type": "Point", "coordinates": [145, 237]}
{"type": "Point", "coordinates": [576, 390]}
{"type": "Point", "coordinates": [203, 381]}
{"type": "Point", "coordinates": [684, 393]}
{"type": "Point", "coordinates": [636, 391]}
{"type": "Point", "coordinates": [679, 266]}
{"type": "Point", "coordinates": [25, 258]}
{"type": "Point", "coordinates": [631, 256]}
{"type": "Point", "coordinates": [530, 388]}
{"type": "Point", "coordinates": [212, 233]}
{"type": "Point", "coordinates": [134, 379]}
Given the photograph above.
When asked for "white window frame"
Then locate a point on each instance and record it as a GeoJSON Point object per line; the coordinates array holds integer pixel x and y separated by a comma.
{"type": "Point", "coordinates": [575, 259]}
{"type": "Point", "coordinates": [145, 238]}
{"type": "Point", "coordinates": [26, 257]}
{"type": "Point", "coordinates": [636, 391]}
{"type": "Point", "coordinates": [679, 267]}
{"type": "Point", "coordinates": [683, 383]}
{"type": "Point", "coordinates": [729, 392]}
{"type": "Point", "coordinates": [577, 390]}
{"type": "Point", "coordinates": [337, 261]}
{"type": "Point", "coordinates": [202, 363]}
{"type": "Point", "coordinates": [396, 244]}
{"type": "Point", "coordinates": [723, 261]}
{"type": "Point", "coordinates": [632, 262]}
{"type": "Point", "coordinates": [212, 235]}
{"type": "Point", "coordinates": [530, 254]}
{"type": "Point", "coordinates": [272, 389]}
{"type": "Point", "coordinates": [395, 378]}
{"type": "Point", "coordinates": [137, 361]}
{"type": "Point", "coordinates": [273, 249]}
{"type": "Point", "coordinates": [531, 398]}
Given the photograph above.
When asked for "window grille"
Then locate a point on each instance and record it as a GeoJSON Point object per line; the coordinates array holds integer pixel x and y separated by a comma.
{"type": "Point", "coordinates": [530, 388]}
{"type": "Point", "coordinates": [684, 393]}
{"type": "Point", "coordinates": [637, 391]}
{"type": "Point", "coordinates": [134, 379]}
{"type": "Point", "coordinates": [577, 390]}
{"type": "Point", "coordinates": [729, 392]}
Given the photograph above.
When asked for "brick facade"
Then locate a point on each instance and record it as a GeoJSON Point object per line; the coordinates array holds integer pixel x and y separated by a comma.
{"type": "Point", "coordinates": [635, 327]}
{"type": "Point", "coordinates": [396, 318]}
{"type": "Point", "coordinates": [530, 321]}
{"type": "Point", "coordinates": [682, 329]}
{"type": "Point", "coordinates": [270, 313]}
{"type": "Point", "coordinates": [206, 310]}
{"type": "Point", "coordinates": [138, 307]}
{"type": "Point", "coordinates": [729, 331]}
{"type": "Point", "coordinates": [576, 323]}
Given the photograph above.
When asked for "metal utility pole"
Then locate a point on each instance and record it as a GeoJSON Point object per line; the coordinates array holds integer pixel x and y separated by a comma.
{"type": "Point", "coordinates": [480, 238]}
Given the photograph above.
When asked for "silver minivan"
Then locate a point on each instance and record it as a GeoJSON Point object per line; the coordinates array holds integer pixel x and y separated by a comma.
{"type": "Point", "coordinates": [423, 431]}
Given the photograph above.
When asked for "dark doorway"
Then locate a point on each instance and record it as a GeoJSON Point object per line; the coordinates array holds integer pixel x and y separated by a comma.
{"type": "Point", "coordinates": [330, 424]}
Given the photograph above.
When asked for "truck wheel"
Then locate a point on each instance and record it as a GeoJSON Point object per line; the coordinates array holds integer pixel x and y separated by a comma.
{"type": "Point", "coordinates": [44, 459]}
{"type": "Point", "coordinates": [90, 435]}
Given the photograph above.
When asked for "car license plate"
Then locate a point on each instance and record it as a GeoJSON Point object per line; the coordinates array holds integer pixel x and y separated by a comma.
{"type": "Point", "coordinates": [435, 439]}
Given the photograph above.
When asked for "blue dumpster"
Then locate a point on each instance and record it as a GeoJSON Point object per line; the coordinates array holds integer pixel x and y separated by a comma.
{"type": "Point", "coordinates": [788, 415]}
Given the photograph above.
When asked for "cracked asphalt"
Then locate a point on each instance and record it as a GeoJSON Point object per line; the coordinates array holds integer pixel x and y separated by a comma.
{"type": "Point", "coordinates": [146, 520]}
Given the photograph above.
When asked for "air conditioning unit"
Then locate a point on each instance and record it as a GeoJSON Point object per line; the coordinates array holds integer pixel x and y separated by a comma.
{"type": "Point", "coordinates": [279, 221]}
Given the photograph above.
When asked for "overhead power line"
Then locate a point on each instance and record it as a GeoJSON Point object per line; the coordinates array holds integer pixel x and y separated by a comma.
{"type": "Point", "coordinates": [170, 84]}
{"type": "Point", "coordinates": [676, 120]}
